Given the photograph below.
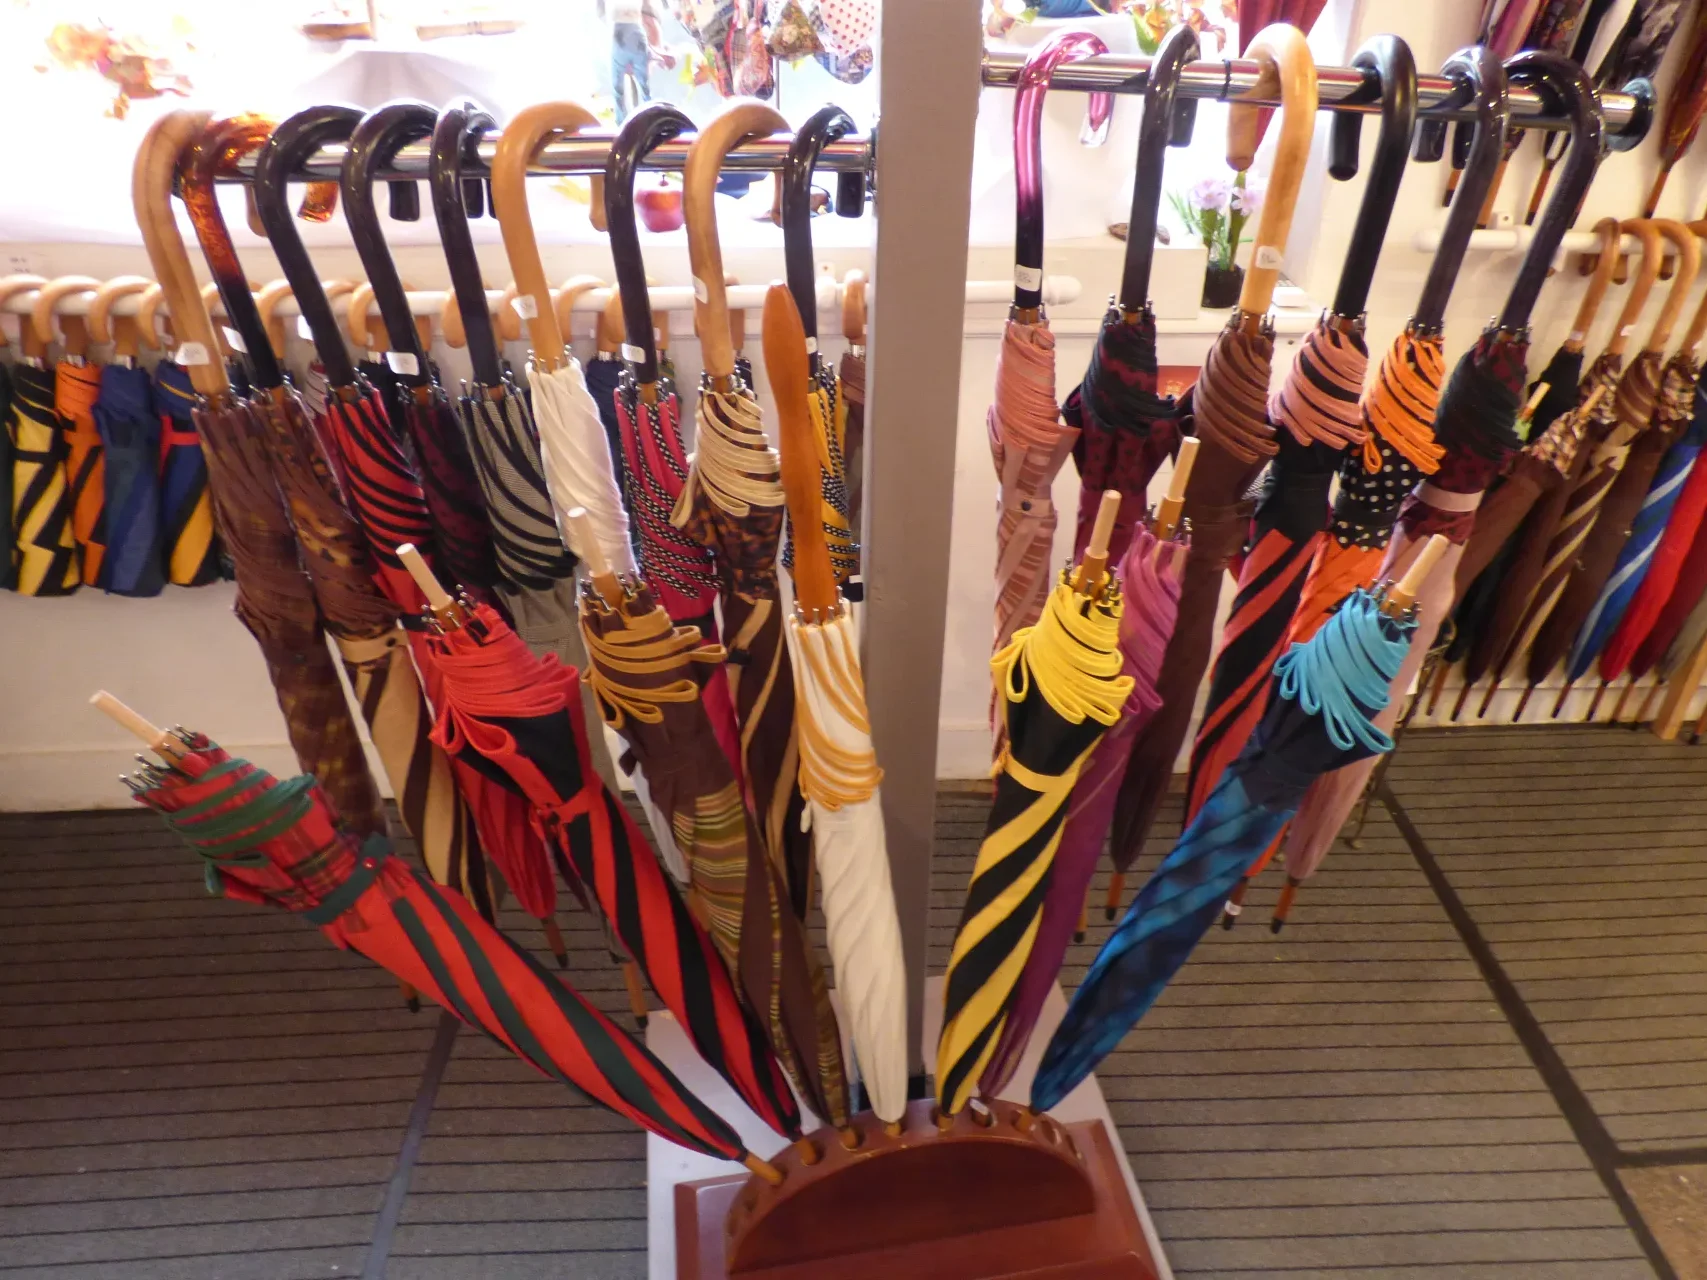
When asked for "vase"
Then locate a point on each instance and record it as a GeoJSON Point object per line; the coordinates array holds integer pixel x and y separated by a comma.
{"type": "Point", "coordinates": [1221, 286]}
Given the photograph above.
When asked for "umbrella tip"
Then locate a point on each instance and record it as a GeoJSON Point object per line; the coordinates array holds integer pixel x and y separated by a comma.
{"type": "Point", "coordinates": [1276, 925]}
{"type": "Point", "coordinates": [1079, 934]}
{"type": "Point", "coordinates": [1108, 913]}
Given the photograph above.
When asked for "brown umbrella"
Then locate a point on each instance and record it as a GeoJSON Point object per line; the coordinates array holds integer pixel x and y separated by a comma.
{"type": "Point", "coordinates": [1230, 405]}
{"type": "Point", "coordinates": [275, 599]}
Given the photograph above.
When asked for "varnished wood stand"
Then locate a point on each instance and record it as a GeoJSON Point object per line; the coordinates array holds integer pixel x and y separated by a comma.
{"type": "Point", "coordinates": [1001, 1195]}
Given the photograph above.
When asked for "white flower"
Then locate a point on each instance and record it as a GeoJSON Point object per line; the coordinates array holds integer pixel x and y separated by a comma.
{"type": "Point", "coordinates": [1247, 201]}
{"type": "Point", "coordinates": [1211, 193]}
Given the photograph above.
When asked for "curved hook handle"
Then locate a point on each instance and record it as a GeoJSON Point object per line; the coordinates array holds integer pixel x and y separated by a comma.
{"type": "Point", "coordinates": [654, 123]}
{"type": "Point", "coordinates": [853, 308]}
{"type": "Point", "coordinates": [1068, 46]}
{"type": "Point", "coordinates": [1281, 51]}
{"type": "Point", "coordinates": [1570, 85]}
{"type": "Point", "coordinates": [531, 129]}
{"type": "Point", "coordinates": [148, 318]}
{"type": "Point", "coordinates": [459, 128]}
{"type": "Point", "coordinates": [355, 319]}
{"type": "Point", "coordinates": [267, 301]}
{"type": "Point", "coordinates": [377, 138]}
{"type": "Point", "coordinates": [152, 175]}
{"type": "Point", "coordinates": [292, 143]}
{"type": "Point", "coordinates": [20, 283]}
{"type": "Point", "coordinates": [1647, 272]}
{"type": "Point", "coordinates": [740, 121]}
{"type": "Point", "coordinates": [1390, 59]}
{"type": "Point", "coordinates": [1482, 76]}
{"type": "Point", "coordinates": [795, 183]}
{"type": "Point", "coordinates": [571, 289]}
{"type": "Point", "coordinates": [1167, 121]}
{"type": "Point", "coordinates": [47, 298]}
{"type": "Point", "coordinates": [127, 333]}
{"type": "Point", "coordinates": [214, 152]}
{"type": "Point", "coordinates": [1605, 262]}
{"type": "Point", "coordinates": [1688, 264]}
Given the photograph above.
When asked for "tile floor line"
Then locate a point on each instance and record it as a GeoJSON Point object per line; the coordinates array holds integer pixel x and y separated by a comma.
{"type": "Point", "coordinates": [1591, 1133]}
{"type": "Point", "coordinates": [397, 1189]}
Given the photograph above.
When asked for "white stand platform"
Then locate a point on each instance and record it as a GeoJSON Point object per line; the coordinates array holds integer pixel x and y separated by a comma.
{"type": "Point", "coordinates": [668, 1165]}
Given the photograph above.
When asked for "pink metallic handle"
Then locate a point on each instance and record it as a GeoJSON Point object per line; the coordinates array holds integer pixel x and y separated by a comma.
{"type": "Point", "coordinates": [1069, 46]}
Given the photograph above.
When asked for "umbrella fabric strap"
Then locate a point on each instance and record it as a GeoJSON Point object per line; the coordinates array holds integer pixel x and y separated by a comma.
{"type": "Point", "coordinates": [1447, 500]}
{"type": "Point", "coordinates": [1074, 657]}
{"type": "Point", "coordinates": [648, 645]}
{"type": "Point", "coordinates": [376, 851]}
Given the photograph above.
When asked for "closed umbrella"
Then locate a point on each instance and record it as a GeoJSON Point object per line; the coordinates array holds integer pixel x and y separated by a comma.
{"type": "Point", "coordinates": [839, 773]}
{"type": "Point", "coordinates": [130, 436]}
{"type": "Point", "coordinates": [47, 553]}
{"type": "Point", "coordinates": [76, 387]}
{"type": "Point", "coordinates": [1028, 441]}
{"type": "Point", "coordinates": [1327, 693]}
{"type": "Point", "coordinates": [852, 373]}
{"type": "Point", "coordinates": [8, 566]}
{"type": "Point", "coordinates": [1230, 403]}
{"type": "Point", "coordinates": [282, 845]}
{"type": "Point", "coordinates": [1684, 111]}
{"type": "Point", "coordinates": [1667, 645]}
{"type": "Point", "coordinates": [647, 672]}
{"type": "Point", "coordinates": [189, 544]}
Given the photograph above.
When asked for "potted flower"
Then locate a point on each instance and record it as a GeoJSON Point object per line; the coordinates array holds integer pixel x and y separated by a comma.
{"type": "Point", "coordinates": [1217, 210]}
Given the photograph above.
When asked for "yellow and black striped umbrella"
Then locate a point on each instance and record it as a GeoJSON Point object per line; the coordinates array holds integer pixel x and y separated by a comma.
{"type": "Point", "coordinates": [46, 551]}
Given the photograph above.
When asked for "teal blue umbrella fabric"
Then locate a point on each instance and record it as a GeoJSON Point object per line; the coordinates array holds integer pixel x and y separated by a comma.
{"type": "Point", "coordinates": [129, 424]}
{"type": "Point", "coordinates": [1320, 717]}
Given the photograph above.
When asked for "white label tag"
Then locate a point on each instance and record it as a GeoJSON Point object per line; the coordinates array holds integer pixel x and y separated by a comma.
{"type": "Point", "coordinates": [1268, 258]}
{"type": "Point", "coordinates": [1575, 335]}
{"type": "Point", "coordinates": [632, 353]}
{"type": "Point", "coordinates": [811, 346]}
{"type": "Point", "coordinates": [1027, 278]}
{"type": "Point", "coordinates": [192, 353]}
{"type": "Point", "coordinates": [1626, 331]}
{"type": "Point", "coordinates": [403, 362]}
{"type": "Point", "coordinates": [700, 291]}
{"type": "Point", "coordinates": [303, 330]}
{"type": "Point", "coordinates": [526, 305]}
{"type": "Point", "coordinates": [234, 340]}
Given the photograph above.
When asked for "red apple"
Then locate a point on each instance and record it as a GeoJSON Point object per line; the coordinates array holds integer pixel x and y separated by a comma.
{"type": "Point", "coordinates": [660, 207]}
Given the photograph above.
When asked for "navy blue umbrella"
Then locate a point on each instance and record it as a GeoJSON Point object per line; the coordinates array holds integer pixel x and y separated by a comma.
{"type": "Point", "coordinates": [130, 432]}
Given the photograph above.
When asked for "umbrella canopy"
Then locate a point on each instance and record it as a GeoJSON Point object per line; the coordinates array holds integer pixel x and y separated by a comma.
{"type": "Point", "coordinates": [517, 717]}
{"type": "Point", "coordinates": [191, 550]}
{"type": "Point", "coordinates": [1686, 642]}
{"type": "Point", "coordinates": [1061, 688]}
{"type": "Point", "coordinates": [281, 844]}
{"type": "Point", "coordinates": [462, 530]}
{"type": "Point", "coordinates": [1673, 619]}
{"type": "Point", "coordinates": [46, 549]}
{"type": "Point", "coordinates": [1327, 692]}
{"type": "Point", "coordinates": [1666, 561]}
{"type": "Point", "coordinates": [8, 566]}
{"type": "Point", "coordinates": [1150, 581]}
{"type": "Point", "coordinates": [604, 375]}
{"type": "Point", "coordinates": [76, 387]}
{"type": "Point", "coordinates": [130, 437]}
{"type": "Point", "coordinates": [648, 672]}
{"type": "Point", "coordinates": [1474, 424]}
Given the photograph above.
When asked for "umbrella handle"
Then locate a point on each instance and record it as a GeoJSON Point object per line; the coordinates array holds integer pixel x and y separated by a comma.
{"type": "Point", "coordinates": [743, 119]}
{"type": "Point", "coordinates": [593, 553]}
{"type": "Point", "coordinates": [654, 123]}
{"type": "Point", "coordinates": [794, 186]}
{"type": "Point", "coordinates": [1168, 513]}
{"type": "Point", "coordinates": [530, 130]}
{"type": "Point", "coordinates": [273, 293]}
{"type": "Point", "coordinates": [151, 194]}
{"type": "Point", "coordinates": [449, 613]}
{"type": "Point", "coordinates": [1698, 322]}
{"type": "Point", "coordinates": [1280, 50]}
{"type": "Point", "coordinates": [379, 136]}
{"type": "Point", "coordinates": [356, 318]}
{"type": "Point", "coordinates": [571, 289]}
{"type": "Point", "coordinates": [74, 328]}
{"type": "Point", "coordinates": [1605, 262]}
{"type": "Point", "coordinates": [147, 317]}
{"type": "Point", "coordinates": [1402, 596]}
{"type": "Point", "coordinates": [1688, 264]}
{"type": "Point", "coordinates": [1094, 566]}
{"type": "Point", "coordinates": [853, 308]}
{"type": "Point", "coordinates": [815, 592]}
{"type": "Point", "coordinates": [158, 739]}
{"type": "Point", "coordinates": [1167, 122]}
{"type": "Point", "coordinates": [1396, 71]}
{"type": "Point", "coordinates": [1648, 233]}
{"type": "Point", "coordinates": [459, 128]}
{"type": "Point", "coordinates": [22, 283]}
{"type": "Point", "coordinates": [126, 335]}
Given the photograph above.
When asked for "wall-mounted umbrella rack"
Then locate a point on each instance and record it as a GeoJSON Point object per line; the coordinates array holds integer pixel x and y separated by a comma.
{"type": "Point", "coordinates": [1439, 98]}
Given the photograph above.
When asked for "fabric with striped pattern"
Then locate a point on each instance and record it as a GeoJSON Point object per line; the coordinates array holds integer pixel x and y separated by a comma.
{"type": "Point", "coordinates": [43, 542]}
{"type": "Point", "coordinates": [462, 531]}
{"type": "Point", "coordinates": [76, 387]}
{"type": "Point", "coordinates": [827, 412]}
{"type": "Point", "coordinates": [130, 437]}
{"type": "Point", "coordinates": [192, 549]}
{"type": "Point", "coordinates": [368, 901]}
{"type": "Point", "coordinates": [9, 563]}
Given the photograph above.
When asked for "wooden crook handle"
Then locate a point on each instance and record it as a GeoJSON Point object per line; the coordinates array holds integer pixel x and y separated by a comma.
{"type": "Point", "coordinates": [613, 330]}
{"type": "Point", "coordinates": [742, 120]}
{"type": "Point", "coordinates": [1688, 264]}
{"type": "Point", "coordinates": [1698, 322]}
{"type": "Point", "coordinates": [267, 303]}
{"type": "Point", "coordinates": [790, 379]}
{"type": "Point", "coordinates": [853, 307]}
{"type": "Point", "coordinates": [101, 308]}
{"type": "Point", "coordinates": [73, 327]}
{"type": "Point", "coordinates": [567, 293]}
{"type": "Point", "coordinates": [1605, 263]}
{"type": "Point", "coordinates": [148, 317]}
{"type": "Point", "coordinates": [1648, 233]}
{"type": "Point", "coordinates": [21, 283]}
{"type": "Point", "coordinates": [356, 321]}
{"type": "Point", "coordinates": [508, 321]}
{"type": "Point", "coordinates": [529, 130]}
{"type": "Point", "coordinates": [1285, 57]}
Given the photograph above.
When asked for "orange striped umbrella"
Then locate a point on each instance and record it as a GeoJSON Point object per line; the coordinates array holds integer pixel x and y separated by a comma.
{"type": "Point", "coordinates": [76, 387]}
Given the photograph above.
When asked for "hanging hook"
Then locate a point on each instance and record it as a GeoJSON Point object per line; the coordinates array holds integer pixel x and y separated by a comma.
{"type": "Point", "coordinates": [1167, 122]}
{"type": "Point", "coordinates": [654, 123]}
{"type": "Point", "coordinates": [455, 200]}
{"type": "Point", "coordinates": [795, 181]}
{"type": "Point", "coordinates": [1389, 58]}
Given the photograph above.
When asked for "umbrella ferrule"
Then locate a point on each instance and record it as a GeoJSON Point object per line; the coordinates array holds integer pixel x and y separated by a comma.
{"type": "Point", "coordinates": [1242, 320]}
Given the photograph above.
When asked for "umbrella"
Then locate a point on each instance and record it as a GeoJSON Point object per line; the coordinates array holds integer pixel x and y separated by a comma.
{"type": "Point", "coordinates": [517, 718]}
{"type": "Point", "coordinates": [1061, 688]}
{"type": "Point", "coordinates": [1326, 694]}
{"type": "Point", "coordinates": [1231, 413]}
{"type": "Point", "coordinates": [1684, 111]}
{"type": "Point", "coordinates": [130, 437]}
{"type": "Point", "coordinates": [46, 550]}
{"type": "Point", "coordinates": [281, 844]}
{"type": "Point", "coordinates": [1028, 441]}
{"type": "Point", "coordinates": [852, 374]}
{"type": "Point", "coordinates": [1125, 428]}
{"type": "Point", "coordinates": [839, 773]}
{"type": "Point", "coordinates": [1672, 636]}
{"type": "Point", "coordinates": [462, 530]}
{"type": "Point", "coordinates": [190, 547]}
{"type": "Point", "coordinates": [9, 566]}
{"type": "Point", "coordinates": [1149, 580]}
{"type": "Point", "coordinates": [77, 385]}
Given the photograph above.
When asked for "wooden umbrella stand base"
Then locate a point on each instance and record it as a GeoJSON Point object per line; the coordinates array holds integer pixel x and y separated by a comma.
{"type": "Point", "coordinates": [999, 1195]}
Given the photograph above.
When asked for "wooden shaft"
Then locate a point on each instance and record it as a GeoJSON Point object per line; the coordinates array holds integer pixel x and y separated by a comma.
{"type": "Point", "coordinates": [1698, 322]}
{"type": "Point", "coordinates": [742, 119]}
{"type": "Point", "coordinates": [785, 363]}
{"type": "Point", "coordinates": [159, 740]}
{"type": "Point", "coordinates": [450, 614]}
{"type": "Point", "coordinates": [1095, 564]}
{"type": "Point", "coordinates": [1285, 58]}
{"type": "Point", "coordinates": [853, 307]}
{"type": "Point", "coordinates": [1168, 513]}
{"type": "Point", "coordinates": [1688, 264]}
{"type": "Point", "coordinates": [598, 567]}
{"type": "Point", "coordinates": [1648, 272]}
{"type": "Point", "coordinates": [1116, 888]}
{"type": "Point", "coordinates": [764, 1168]}
{"type": "Point", "coordinates": [1528, 410]}
{"type": "Point", "coordinates": [636, 992]}
{"type": "Point", "coordinates": [1605, 263]}
{"type": "Point", "coordinates": [1668, 721]}
{"type": "Point", "coordinates": [1404, 595]}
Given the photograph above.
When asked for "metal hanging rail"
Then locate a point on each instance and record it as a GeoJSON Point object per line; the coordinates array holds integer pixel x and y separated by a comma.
{"type": "Point", "coordinates": [587, 153]}
{"type": "Point", "coordinates": [1241, 79]}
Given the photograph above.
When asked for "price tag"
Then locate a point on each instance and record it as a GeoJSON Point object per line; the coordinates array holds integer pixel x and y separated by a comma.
{"type": "Point", "coordinates": [303, 330]}
{"type": "Point", "coordinates": [403, 362]}
{"type": "Point", "coordinates": [1268, 258]}
{"type": "Point", "coordinates": [700, 291]}
{"type": "Point", "coordinates": [1575, 335]}
{"type": "Point", "coordinates": [234, 340]}
{"type": "Point", "coordinates": [1626, 331]}
{"type": "Point", "coordinates": [632, 353]}
{"type": "Point", "coordinates": [526, 305]}
{"type": "Point", "coordinates": [1029, 278]}
{"type": "Point", "coordinates": [191, 354]}
{"type": "Point", "coordinates": [811, 346]}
